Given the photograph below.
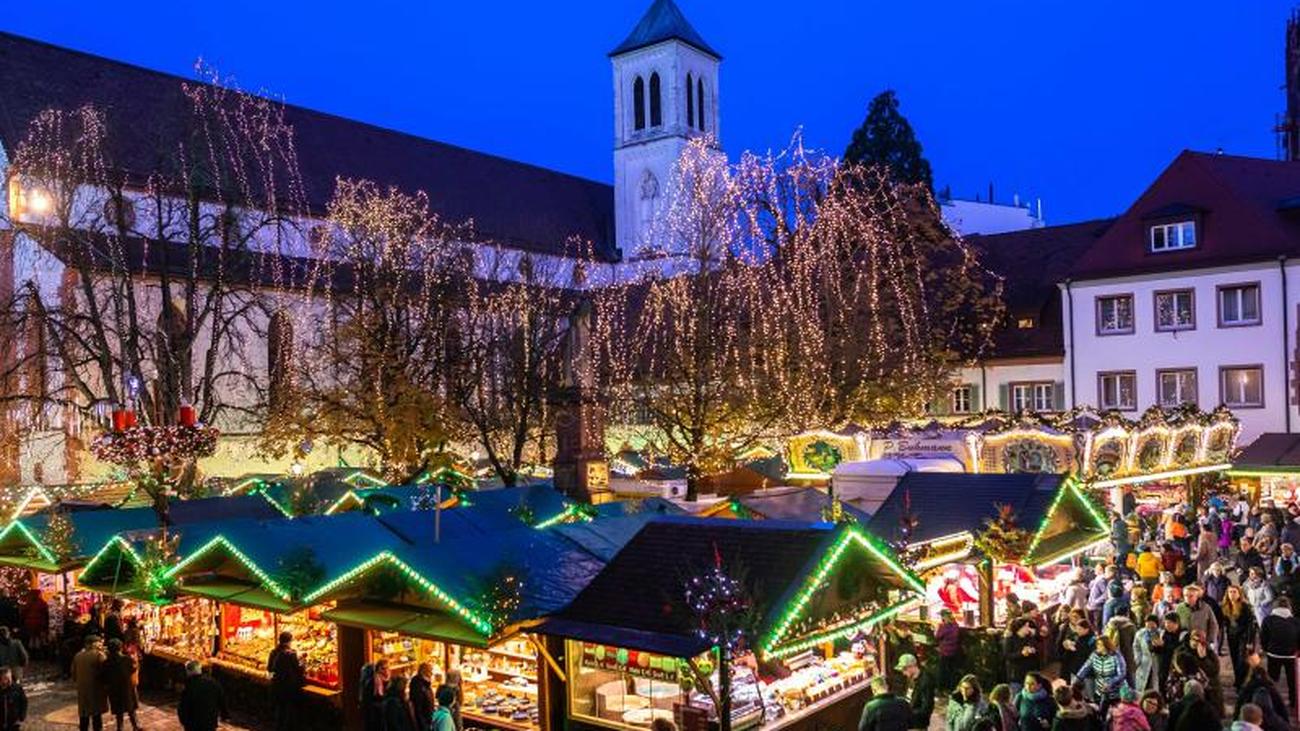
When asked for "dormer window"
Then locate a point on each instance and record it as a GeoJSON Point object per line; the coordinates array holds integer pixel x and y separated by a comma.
{"type": "Point", "coordinates": [1173, 236]}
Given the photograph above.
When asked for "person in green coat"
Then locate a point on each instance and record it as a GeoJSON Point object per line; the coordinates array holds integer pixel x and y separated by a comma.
{"type": "Point", "coordinates": [966, 706]}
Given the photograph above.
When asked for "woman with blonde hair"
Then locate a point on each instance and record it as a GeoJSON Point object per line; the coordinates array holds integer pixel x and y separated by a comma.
{"type": "Point", "coordinates": [1242, 629]}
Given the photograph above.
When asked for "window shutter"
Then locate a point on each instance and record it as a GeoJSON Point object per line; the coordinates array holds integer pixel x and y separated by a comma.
{"type": "Point", "coordinates": [1058, 395]}
{"type": "Point", "coordinates": [976, 405]}
{"type": "Point", "coordinates": [1004, 396]}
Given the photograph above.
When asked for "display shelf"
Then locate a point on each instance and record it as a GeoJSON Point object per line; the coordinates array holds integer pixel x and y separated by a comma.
{"type": "Point", "coordinates": [498, 721]}
{"type": "Point", "coordinates": [515, 655]}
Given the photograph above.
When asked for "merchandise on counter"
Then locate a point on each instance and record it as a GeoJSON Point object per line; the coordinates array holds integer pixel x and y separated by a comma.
{"type": "Point", "coordinates": [317, 644]}
{"type": "Point", "coordinates": [404, 653]}
{"type": "Point", "coordinates": [500, 683]}
{"type": "Point", "coordinates": [183, 629]}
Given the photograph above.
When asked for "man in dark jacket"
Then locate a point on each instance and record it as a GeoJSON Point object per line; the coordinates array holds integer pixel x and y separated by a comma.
{"type": "Point", "coordinates": [1192, 712]}
{"type": "Point", "coordinates": [287, 679]}
{"type": "Point", "coordinates": [885, 711]}
{"type": "Point", "coordinates": [1279, 637]}
{"type": "Point", "coordinates": [919, 688]}
{"type": "Point", "coordinates": [13, 702]}
{"type": "Point", "coordinates": [422, 700]}
{"type": "Point", "coordinates": [203, 703]}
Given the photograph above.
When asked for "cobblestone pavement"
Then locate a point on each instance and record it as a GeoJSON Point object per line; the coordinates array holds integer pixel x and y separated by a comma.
{"type": "Point", "coordinates": [52, 706]}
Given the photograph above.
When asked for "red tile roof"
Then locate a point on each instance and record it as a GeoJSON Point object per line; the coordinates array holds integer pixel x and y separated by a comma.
{"type": "Point", "coordinates": [1243, 207]}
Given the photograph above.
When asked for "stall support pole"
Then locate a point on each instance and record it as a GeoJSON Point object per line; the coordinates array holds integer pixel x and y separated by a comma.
{"type": "Point", "coordinates": [985, 569]}
{"type": "Point", "coordinates": [552, 695]}
{"type": "Point", "coordinates": [352, 657]}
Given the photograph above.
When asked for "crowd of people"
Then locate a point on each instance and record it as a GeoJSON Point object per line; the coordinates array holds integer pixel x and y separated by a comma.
{"type": "Point", "coordinates": [1187, 600]}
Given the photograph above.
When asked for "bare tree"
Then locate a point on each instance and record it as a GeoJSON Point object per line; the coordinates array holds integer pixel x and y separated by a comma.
{"type": "Point", "coordinates": [147, 270]}
{"type": "Point", "coordinates": [386, 293]}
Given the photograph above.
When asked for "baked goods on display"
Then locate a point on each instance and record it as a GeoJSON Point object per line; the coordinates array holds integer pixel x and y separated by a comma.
{"type": "Point", "coordinates": [405, 653]}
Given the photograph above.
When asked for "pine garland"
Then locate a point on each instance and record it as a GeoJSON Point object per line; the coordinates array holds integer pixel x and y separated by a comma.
{"type": "Point", "coordinates": [1002, 538]}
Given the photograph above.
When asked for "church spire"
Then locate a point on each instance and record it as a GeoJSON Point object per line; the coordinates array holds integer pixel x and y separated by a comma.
{"type": "Point", "coordinates": [663, 21]}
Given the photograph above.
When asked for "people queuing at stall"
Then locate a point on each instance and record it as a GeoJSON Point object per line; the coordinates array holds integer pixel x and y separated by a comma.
{"type": "Point", "coordinates": [1148, 633]}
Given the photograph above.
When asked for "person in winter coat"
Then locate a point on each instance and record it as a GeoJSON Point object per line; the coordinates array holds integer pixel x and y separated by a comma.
{"type": "Point", "coordinates": [1166, 645]}
{"type": "Point", "coordinates": [422, 697]}
{"type": "Point", "coordinates": [203, 703]}
{"type": "Point", "coordinates": [1116, 603]}
{"type": "Point", "coordinates": [1071, 714]}
{"type": "Point", "coordinates": [1284, 567]}
{"type": "Point", "coordinates": [947, 640]}
{"type": "Point", "coordinates": [397, 707]}
{"type": "Point", "coordinates": [999, 712]}
{"type": "Point", "coordinates": [1139, 603]}
{"type": "Point", "coordinates": [1106, 668]}
{"type": "Point", "coordinates": [1121, 632]}
{"type": "Point", "coordinates": [884, 712]}
{"type": "Point", "coordinates": [1273, 715]}
{"type": "Point", "coordinates": [1216, 583]}
{"type": "Point", "coordinates": [1144, 655]}
{"type": "Point", "coordinates": [12, 654]}
{"type": "Point", "coordinates": [1192, 713]}
{"type": "Point", "coordinates": [1127, 715]}
{"type": "Point", "coordinates": [1279, 636]}
{"type": "Point", "coordinates": [453, 685]}
{"type": "Point", "coordinates": [287, 679]}
{"type": "Point", "coordinates": [1207, 552]}
{"type": "Point", "coordinates": [1075, 595]}
{"type": "Point", "coordinates": [1153, 707]}
{"type": "Point", "coordinates": [88, 675]}
{"type": "Point", "coordinates": [119, 681]}
{"type": "Point", "coordinates": [1195, 614]}
{"type": "Point", "coordinates": [13, 702]}
{"type": "Point", "coordinates": [1148, 567]}
{"type": "Point", "coordinates": [374, 681]}
{"type": "Point", "coordinates": [1242, 631]}
{"type": "Point", "coordinates": [1248, 557]}
{"type": "Point", "coordinates": [1250, 720]}
{"type": "Point", "coordinates": [1098, 593]}
{"type": "Point", "coordinates": [1076, 646]}
{"type": "Point", "coordinates": [1184, 669]}
{"type": "Point", "coordinates": [920, 689]}
{"type": "Point", "coordinates": [1167, 591]}
{"type": "Point", "coordinates": [966, 705]}
{"type": "Point", "coordinates": [443, 719]}
{"type": "Point", "coordinates": [1021, 650]}
{"type": "Point", "coordinates": [1259, 595]}
{"type": "Point", "coordinates": [1207, 660]}
{"type": "Point", "coordinates": [1034, 705]}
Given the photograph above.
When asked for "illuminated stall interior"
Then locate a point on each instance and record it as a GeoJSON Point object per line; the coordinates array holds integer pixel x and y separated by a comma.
{"type": "Point", "coordinates": [1269, 469]}
{"type": "Point", "coordinates": [940, 521]}
{"type": "Point", "coordinates": [821, 591]}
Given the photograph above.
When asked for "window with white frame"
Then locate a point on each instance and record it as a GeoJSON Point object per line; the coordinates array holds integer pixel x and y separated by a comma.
{"type": "Point", "coordinates": [1039, 396]}
{"type": "Point", "coordinates": [962, 401]}
{"type": "Point", "coordinates": [1176, 387]}
{"type": "Point", "coordinates": [1243, 386]}
{"type": "Point", "coordinates": [1117, 390]}
{"type": "Point", "coordinates": [1115, 314]}
{"type": "Point", "coordinates": [1239, 305]}
{"type": "Point", "coordinates": [1176, 310]}
{"type": "Point", "coordinates": [1173, 236]}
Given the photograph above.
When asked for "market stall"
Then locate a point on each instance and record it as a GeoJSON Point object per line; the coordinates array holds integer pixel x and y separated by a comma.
{"type": "Point", "coordinates": [1268, 469]}
{"type": "Point", "coordinates": [633, 653]}
{"type": "Point", "coordinates": [976, 539]}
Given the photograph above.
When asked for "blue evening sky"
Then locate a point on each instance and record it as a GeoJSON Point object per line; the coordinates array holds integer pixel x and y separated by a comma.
{"type": "Point", "coordinates": [1079, 103]}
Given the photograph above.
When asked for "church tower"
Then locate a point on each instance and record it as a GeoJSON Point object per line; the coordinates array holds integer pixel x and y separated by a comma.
{"type": "Point", "coordinates": [665, 93]}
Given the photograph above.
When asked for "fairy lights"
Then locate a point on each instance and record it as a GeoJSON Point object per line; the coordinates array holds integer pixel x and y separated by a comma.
{"type": "Point", "coordinates": [1158, 476]}
{"type": "Point", "coordinates": [479, 623]}
{"type": "Point", "coordinates": [849, 536]}
{"type": "Point", "coordinates": [848, 629]}
{"type": "Point", "coordinates": [224, 544]}
{"type": "Point", "coordinates": [31, 538]}
{"type": "Point", "coordinates": [570, 514]}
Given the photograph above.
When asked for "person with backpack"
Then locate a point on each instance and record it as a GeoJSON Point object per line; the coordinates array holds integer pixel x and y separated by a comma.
{"type": "Point", "coordinates": [287, 679]}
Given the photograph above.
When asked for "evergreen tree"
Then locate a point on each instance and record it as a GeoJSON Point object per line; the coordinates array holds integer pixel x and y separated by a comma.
{"type": "Point", "coordinates": [886, 139]}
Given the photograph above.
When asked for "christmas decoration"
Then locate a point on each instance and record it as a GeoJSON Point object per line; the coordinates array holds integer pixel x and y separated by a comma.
{"type": "Point", "coordinates": [1002, 538]}
{"type": "Point", "coordinates": [59, 536]}
{"type": "Point", "coordinates": [170, 445]}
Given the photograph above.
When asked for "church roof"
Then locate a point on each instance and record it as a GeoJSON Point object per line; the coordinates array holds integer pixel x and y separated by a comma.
{"type": "Point", "coordinates": [664, 21]}
{"type": "Point", "coordinates": [511, 203]}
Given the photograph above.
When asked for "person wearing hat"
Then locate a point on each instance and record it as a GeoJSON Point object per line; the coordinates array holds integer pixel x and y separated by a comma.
{"type": "Point", "coordinates": [918, 688]}
{"type": "Point", "coordinates": [885, 711]}
{"type": "Point", "coordinates": [1127, 715]}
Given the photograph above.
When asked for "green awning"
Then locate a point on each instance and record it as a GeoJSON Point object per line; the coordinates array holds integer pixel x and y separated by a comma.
{"type": "Point", "coordinates": [1051, 550]}
{"type": "Point", "coordinates": [234, 592]}
{"type": "Point", "coordinates": [407, 620]}
{"type": "Point", "coordinates": [37, 564]}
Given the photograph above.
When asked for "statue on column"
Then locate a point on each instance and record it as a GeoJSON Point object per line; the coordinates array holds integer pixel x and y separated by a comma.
{"type": "Point", "coordinates": [581, 470]}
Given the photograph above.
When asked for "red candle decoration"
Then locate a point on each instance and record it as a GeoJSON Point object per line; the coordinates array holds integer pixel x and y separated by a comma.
{"type": "Point", "coordinates": [131, 421]}
{"type": "Point", "coordinates": [188, 416]}
{"type": "Point", "coordinates": [119, 419]}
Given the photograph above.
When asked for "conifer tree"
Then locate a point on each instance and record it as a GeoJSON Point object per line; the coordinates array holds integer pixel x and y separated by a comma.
{"type": "Point", "coordinates": [886, 139]}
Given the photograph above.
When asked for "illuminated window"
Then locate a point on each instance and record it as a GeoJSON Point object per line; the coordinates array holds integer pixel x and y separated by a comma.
{"type": "Point", "coordinates": [1173, 236]}
{"type": "Point", "coordinates": [1117, 390]}
{"type": "Point", "coordinates": [1239, 305]}
{"type": "Point", "coordinates": [1176, 310]}
{"type": "Point", "coordinates": [1242, 386]}
{"type": "Point", "coordinates": [1176, 387]}
{"type": "Point", "coordinates": [1025, 323]}
{"type": "Point", "coordinates": [1115, 315]}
